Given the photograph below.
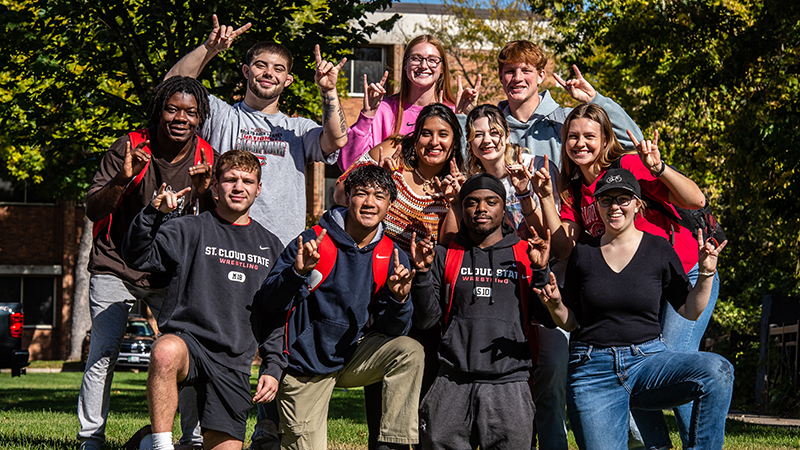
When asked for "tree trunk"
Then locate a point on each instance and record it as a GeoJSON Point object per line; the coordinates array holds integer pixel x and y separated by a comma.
{"type": "Point", "coordinates": [81, 319]}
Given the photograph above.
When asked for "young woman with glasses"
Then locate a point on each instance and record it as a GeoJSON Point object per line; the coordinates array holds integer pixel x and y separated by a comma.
{"type": "Point", "coordinates": [588, 149]}
{"type": "Point", "coordinates": [616, 287]}
{"type": "Point", "coordinates": [425, 80]}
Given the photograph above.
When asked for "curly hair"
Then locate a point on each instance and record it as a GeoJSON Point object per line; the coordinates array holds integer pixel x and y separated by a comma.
{"type": "Point", "coordinates": [370, 175]}
{"type": "Point", "coordinates": [169, 87]}
{"type": "Point", "coordinates": [238, 159]}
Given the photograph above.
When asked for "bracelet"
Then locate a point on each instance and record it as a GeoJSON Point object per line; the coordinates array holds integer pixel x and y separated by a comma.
{"type": "Point", "coordinates": [525, 195]}
{"type": "Point", "coordinates": [660, 172]}
{"type": "Point", "coordinates": [707, 274]}
{"type": "Point", "coordinates": [535, 207]}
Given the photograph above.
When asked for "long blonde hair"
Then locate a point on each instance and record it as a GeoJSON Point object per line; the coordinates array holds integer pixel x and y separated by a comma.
{"type": "Point", "coordinates": [612, 149]}
{"type": "Point", "coordinates": [442, 84]}
{"type": "Point", "coordinates": [497, 120]}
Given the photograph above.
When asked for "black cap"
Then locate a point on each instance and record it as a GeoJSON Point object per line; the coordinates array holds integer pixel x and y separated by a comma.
{"type": "Point", "coordinates": [618, 179]}
{"type": "Point", "coordinates": [483, 181]}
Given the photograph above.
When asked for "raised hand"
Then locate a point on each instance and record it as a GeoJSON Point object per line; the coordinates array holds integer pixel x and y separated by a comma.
{"type": "Point", "coordinates": [422, 251]}
{"type": "Point", "coordinates": [538, 249]}
{"type": "Point", "coordinates": [266, 389]}
{"type": "Point", "coordinates": [578, 87]}
{"type": "Point", "coordinates": [307, 255]}
{"type": "Point", "coordinates": [201, 174]}
{"type": "Point", "coordinates": [520, 175]}
{"type": "Point", "coordinates": [134, 160]}
{"type": "Point", "coordinates": [222, 37]}
{"type": "Point", "coordinates": [388, 154]}
{"type": "Point", "coordinates": [450, 186]}
{"type": "Point", "coordinates": [373, 94]}
{"type": "Point", "coordinates": [648, 152]}
{"type": "Point", "coordinates": [327, 73]}
{"type": "Point", "coordinates": [166, 201]}
{"type": "Point", "coordinates": [708, 253]}
{"type": "Point", "coordinates": [542, 184]}
{"type": "Point", "coordinates": [467, 99]}
{"type": "Point", "coordinates": [550, 294]}
{"type": "Point", "coordinates": [399, 281]}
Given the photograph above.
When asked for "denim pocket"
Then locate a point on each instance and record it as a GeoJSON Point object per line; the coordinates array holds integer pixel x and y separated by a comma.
{"type": "Point", "coordinates": [651, 348]}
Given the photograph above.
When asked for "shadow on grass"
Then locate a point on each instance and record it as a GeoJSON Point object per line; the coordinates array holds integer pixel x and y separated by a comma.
{"type": "Point", "coordinates": [348, 404]}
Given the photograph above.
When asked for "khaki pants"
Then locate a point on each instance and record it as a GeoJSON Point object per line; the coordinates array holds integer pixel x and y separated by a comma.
{"type": "Point", "coordinates": [397, 361]}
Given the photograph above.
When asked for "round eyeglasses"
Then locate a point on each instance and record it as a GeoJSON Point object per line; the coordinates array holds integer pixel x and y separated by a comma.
{"type": "Point", "coordinates": [416, 59]}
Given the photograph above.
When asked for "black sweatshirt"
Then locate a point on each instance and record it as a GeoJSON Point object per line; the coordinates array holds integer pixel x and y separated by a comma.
{"type": "Point", "coordinates": [484, 339]}
{"type": "Point", "coordinates": [216, 269]}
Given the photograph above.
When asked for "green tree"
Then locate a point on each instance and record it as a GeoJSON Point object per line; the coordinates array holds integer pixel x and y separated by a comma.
{"type": "Point", "coordinates": [720, 80]}
{"type": "Point", "coordinates": [75, 75]}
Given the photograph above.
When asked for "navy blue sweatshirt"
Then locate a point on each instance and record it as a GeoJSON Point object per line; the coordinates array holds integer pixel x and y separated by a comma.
{"type": "Point", "coordinates": [324, 326]}
{"type": "Point", "coordinates": [216, 267]}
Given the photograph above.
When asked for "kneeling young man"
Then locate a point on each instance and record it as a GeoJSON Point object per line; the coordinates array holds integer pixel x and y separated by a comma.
{"type": "Point", "coordinates": [346, 289]}
{"type": "Point", "coordinates": [479, 286]}
{"type": "Point", "coordinates": [217, 262]}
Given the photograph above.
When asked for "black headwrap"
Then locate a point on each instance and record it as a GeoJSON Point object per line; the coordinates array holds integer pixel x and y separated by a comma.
{"type": "Point", "coordinates": [483, 181]}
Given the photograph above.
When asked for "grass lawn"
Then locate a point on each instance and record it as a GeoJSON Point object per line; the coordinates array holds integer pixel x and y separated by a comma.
{"type": "Point", "coordinates": [37, 411]}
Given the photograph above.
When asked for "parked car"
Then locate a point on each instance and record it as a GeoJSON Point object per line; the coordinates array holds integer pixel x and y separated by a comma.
{"type": "Point", "coordinates": [135, 349]}
{"type": "Point", "coordinates": [12, 355]}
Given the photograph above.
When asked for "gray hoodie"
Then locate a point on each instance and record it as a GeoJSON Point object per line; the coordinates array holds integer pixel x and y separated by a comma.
{"type": "Point", "coordinates": [541, 134]}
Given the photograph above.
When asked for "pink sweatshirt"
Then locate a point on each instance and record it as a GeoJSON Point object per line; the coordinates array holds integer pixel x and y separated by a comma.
{"type": "Point", "coordinates": [368, 132]}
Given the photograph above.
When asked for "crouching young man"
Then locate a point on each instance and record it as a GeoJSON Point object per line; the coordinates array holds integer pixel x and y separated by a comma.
{"type": "Point", "coordinates": [345, 287]}
{"type": "Point", "coordinates": [479, 287]}
{"type": "Point", "coordinates": [217, 262]}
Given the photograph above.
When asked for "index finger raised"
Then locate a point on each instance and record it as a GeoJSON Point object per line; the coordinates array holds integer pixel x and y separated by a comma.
{"type": "Point", "coordinates": [241, 30]}
{"type": "Point", "coordinates": [560, 80]}
{"type": "Point", "coordinates": [633, 138]}
{"type": "Point", "coordinates": [317, 55]}
{"type": "Point", "coordinates": [577, 71]}
{"type": "Point", "coordinates": [321, 236]}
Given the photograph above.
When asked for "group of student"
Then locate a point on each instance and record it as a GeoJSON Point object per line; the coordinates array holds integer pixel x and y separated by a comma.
{"type": "Point", "coordinates": [479, 294]}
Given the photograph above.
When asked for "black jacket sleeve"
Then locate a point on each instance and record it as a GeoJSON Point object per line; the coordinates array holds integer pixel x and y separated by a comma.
{"type": "Point", "coordinates": [427, 292]}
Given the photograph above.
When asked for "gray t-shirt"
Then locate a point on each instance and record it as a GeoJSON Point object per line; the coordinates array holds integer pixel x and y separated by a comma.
{"type": "Point", "coordinates": [284, 145]}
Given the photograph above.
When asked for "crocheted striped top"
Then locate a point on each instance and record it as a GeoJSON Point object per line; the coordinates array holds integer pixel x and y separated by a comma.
{"type": "Point", "coordinates": [411, 212]}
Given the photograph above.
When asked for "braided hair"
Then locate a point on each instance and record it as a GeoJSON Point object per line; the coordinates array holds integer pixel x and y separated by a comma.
{"type": "Point", "coordinates": [170, 87]}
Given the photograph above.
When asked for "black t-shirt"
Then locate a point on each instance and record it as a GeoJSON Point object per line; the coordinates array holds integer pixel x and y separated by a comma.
{"type": "Point", "coordinates": [105, 257]}
{"type": "Point", "coordinates": [618, 309]}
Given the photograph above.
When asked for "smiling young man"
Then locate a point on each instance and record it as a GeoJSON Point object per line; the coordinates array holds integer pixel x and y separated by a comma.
{"type": "Point", "coordinates": [215, 263]}
{"type": "Point", "coordinates": [345, 287]}
{"type": "Point", "coordinates": [130, 174]}
{"type": "Point", "coordinates": [535, 121]}
{"type": "Point", "coordinates": [283, 144]}
{"type": "Point", "coordinates": [479, 288]}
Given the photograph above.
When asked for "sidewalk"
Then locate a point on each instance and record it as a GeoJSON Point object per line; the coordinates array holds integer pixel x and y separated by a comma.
{"type": "Point", "coordinates": [764, 420]}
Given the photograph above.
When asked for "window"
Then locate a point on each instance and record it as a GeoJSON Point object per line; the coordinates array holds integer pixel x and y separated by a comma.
{"type": "Point", "coordinates": [20, 192]}
{"type": "Point", "coordinates": [31, 286]}
{"type": "Point", "coordinates": [365, 60]}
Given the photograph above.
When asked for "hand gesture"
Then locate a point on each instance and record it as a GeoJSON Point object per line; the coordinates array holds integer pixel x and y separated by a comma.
{"type": "Point", "coordinates": [707, 253]}
{"type": "Point", "coordinates": [467, 99]}
{"type": "Point", "coordinates": [307, 255]}
{"type": "Point", "coordinates": [373, 94]}
{"type": "Point", "coordinates": [389, 156]}
{"type": "Point", "coordinates": [422, 251]}
{"type": "Point", "coordinates": [538, 249]}
{"type": "Point", "coordinates": [648, 152]}
{"type": "Point", "coordinates": [201, 174]}
{"type": "Point", "coordinates": [578, 88]}
{"type": "Point", "coordinates": [400, 280]}
{"type": "Point", "coordinates": [450, 186]}
{"type": "Point", "coordinates": [166, 201]}
{"type": "Point", "coordinates": [266, 389]}
{"type": "Point", "coordinates": [542, 184]}
{"type": "Point", "coordinates": [222, 37]}
{"type": "Point", "coordinates": [550, 294]}
{"type": "Point", "coordinates": [327, 73]}
{"type": "Point", "coordinates": [520, 175]}
{"type": "Point", "coordinates": [134, 160]}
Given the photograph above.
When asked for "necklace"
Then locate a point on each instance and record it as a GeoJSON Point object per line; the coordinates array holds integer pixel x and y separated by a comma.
{"type": "Point", "coordinates": [427, 185]}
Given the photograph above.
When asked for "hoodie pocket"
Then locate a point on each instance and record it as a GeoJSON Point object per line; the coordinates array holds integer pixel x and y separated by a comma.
{"type": "Point", "coordinates": [325, 344]}
{"type": "Point", "coordinates": [484, 345]}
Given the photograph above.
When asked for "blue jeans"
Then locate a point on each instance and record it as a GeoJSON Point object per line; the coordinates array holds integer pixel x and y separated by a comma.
{"type": "Point", "coordinates": [681, 335]}
{"type": "Point", "coordinates": [604, 384]}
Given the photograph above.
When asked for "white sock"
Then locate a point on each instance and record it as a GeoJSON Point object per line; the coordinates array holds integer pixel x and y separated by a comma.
{"type": "Point", "coordinates": [163, 441]}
